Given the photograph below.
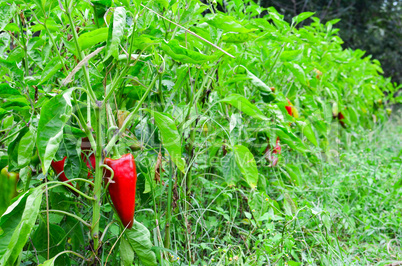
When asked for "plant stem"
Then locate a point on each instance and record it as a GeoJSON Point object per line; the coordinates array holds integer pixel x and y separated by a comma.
{"type": "Point", "coordinates": [166, 241]}
{"type": "Point", "coordinates": [69, 214]}
{"type": "Point", "coordinates": [72, 188]}
{"type": "Point", "coordinates": [79, 52]}
{"type": "Point", "coordinates": [82, 122]}
{"type": "Point", "coordinates": [160, 94]}
{"type": "Point", "coordinates": [98, 178]}
{"type": "Point", "coordinates": [112, 142]}
{"type": "Point", "coordinates": [24, 47]}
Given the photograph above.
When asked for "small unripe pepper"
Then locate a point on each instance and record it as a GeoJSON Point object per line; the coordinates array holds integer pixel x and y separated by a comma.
{"type": "Point", "coordinates": [8, 185]}
{"type": "Point", "coordinates": [122, 187]}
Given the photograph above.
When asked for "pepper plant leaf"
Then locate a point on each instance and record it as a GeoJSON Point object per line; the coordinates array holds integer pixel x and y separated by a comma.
{"type": "Point", "coordinates": [245, 106]}
{"type": "Point", "coordinates": [53, 117]}
{"type": "Point", "coordinates": [17, 222]}
{"type": "Point", "coordinates": [26, 147]}
{"type": "Point", "coordinates": [89, 39]}
{"type": "Point", "coordinates": [184, 55]}
{"type": "Point", "coordinates": [247, 165]}
{"type": "Point", "coordinates": [170, 137]}
{"type": "Point", "coordinates": [116, 32]}
{"type": "Point", "coordinates": [140, 241]}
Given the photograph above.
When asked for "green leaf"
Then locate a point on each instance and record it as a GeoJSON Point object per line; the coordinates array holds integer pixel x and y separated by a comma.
{"type": "Point", "coordinates": [289, 205]}
{"type": "Point", "coordinates": [163, 3]}
{"type": "Point", "coordinates": [89, 39]}
{"type": "Point", "coordinates": [53, 117]}
{"type": "Point", "coordinates": [142, 42]}
{"type": "Point", "coordinates": [227, 24]}
{"type": "Point", "coordinates": [287, 56]}
{"type": "Point", "coordinates": [231, 37]}
{"type": "Point", "coordinates": [126, 252]}
{"type": "Point", "coordinates": [13, 151]}
{"type": "Point", "coordinates": [17, 227]}
{"type": "Point", "coordinates": [6, 14]}
{"type": "Point", "coordinates": [57, 240]}
{"type": "Point", "coordinates": [51, 262]}
{"type": "Point", "coordinates": [140, 241]}
{"type": "Point", "coordinates": [26, 147]}
{"type": "Point", "coordinates": [247, 165]}
{"type": "Point", "coordinates": [231, 171]}
{"type": "Point", "coordinates": [245, 106]}
{"type": "Point", "coordinates": [258, 83]}
{"type": "Point", "coordinates": [184, 55]}
{"type": "Point", "coordinates": [289, 138]}
{"type": "Point", "coordinates": [293, 173]}
{"type": "Point", "coordinates": [116, 32]}
{"type": "Point", "coordinates": [302, 16]}
{"type": "Point", "coordinates": [6, 90]}
{"type": "Point", "coordinates": [298, 72]}
{"type": "Point", "coordinates": [308, 131]}
{"type": "Point", "coordinates": [170, 138]}
{"type": "Point", "coordinates": [9, 221]}
{"type": "Point", "coordinates": [50, 69]}
{"type": "Point", "coordinates": [72, 164]}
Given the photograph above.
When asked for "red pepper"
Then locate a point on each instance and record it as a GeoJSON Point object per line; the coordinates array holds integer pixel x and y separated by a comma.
{"type": "Point", "coordinates": [122, 189]}
{"type": "Point", "coordinates": [58, 167]}
{"type": "Point", "coordinates": [90, 162]}
{"type": "Point", "coordinates": [289, 108]}
{"type": "Point", "coordinates": [341, 118]}
{"type": "Point", "coordinates": [277, 149]}
{"type": "Point", "coordinates": [87, 157]}
{"type": "Point", "coordinates": [269, 155]}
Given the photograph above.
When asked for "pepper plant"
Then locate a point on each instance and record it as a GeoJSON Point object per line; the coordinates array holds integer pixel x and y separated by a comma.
{"type": "Point", "coordinates": [195, 95]}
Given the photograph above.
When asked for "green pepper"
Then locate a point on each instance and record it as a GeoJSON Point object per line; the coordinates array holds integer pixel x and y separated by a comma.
{"type": "Point", "coordinates": [8, 187]}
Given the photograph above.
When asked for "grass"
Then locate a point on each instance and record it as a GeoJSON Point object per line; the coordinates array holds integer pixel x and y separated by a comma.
{"type": "Point", "coordinates": [346, 211]}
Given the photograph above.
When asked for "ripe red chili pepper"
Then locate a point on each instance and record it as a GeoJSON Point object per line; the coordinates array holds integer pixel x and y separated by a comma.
{"type": "Point", "coordinates": [269, 155]}
{"type": "Point", "coordinates": [90, 162]}
{"type": "Point", "coordinates": [122, 189]}
{"type": "Point", "coordinates": [341, 118]}
{"type": "Point", "coordinates": [58, 167]}
{"type": "Point", "coordinates": [289, 109]}
{"type": "Point", "coordinates": [277, 149]}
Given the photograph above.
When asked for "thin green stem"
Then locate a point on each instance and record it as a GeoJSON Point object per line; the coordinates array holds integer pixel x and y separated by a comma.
{"type": "Point", "coordinates": [69, 214]}
{"type": "Point", "coordinates": [80, 53]}
{"type": "Point", "coordinates": [72, 188]}
{"type": "Point", "coordinates": [166, 241]}
{"type": "Point", "coordinates": [72, 252]}
{"type": "Point", "coordinates": [114, 85]}
{"type": "Point", "coordinates": [98, 179]}
{"type": "Point", "coordinates": [112, 142]}
{"type": "Point", "coordinates": [24, 47]}
{"type": "Point", "coordinates": [160, 94]}
{"type": "Point", "coordinates": [83, 124]}
{"type": "Point", "coordinates": [55, 46]}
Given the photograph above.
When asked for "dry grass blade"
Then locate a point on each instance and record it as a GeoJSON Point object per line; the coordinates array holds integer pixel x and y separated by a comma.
{"type": "Point", "coordinates": [189, 31]}
{"type": "Point", "coordinates": [80, 64]}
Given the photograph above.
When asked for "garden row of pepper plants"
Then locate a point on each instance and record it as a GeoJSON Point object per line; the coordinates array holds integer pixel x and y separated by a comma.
{"type": "Point", "coordinates": [193, 98]}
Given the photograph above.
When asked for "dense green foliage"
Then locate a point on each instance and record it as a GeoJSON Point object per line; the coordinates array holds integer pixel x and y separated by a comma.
{"type": "Point", "coordinates": [371, 25]}
{"type": "Point", "coordinates": [200, 102]}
